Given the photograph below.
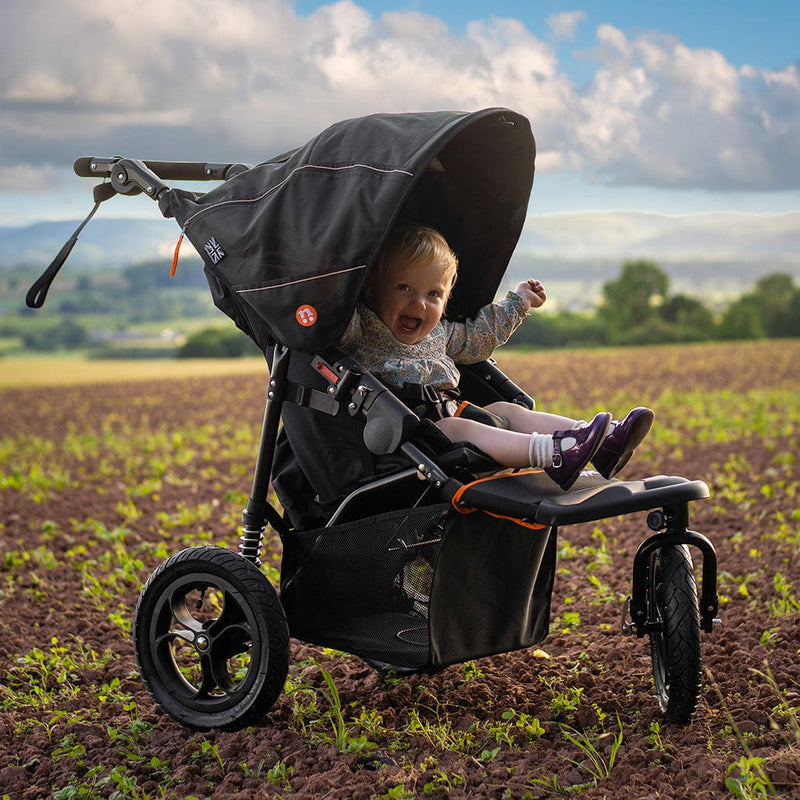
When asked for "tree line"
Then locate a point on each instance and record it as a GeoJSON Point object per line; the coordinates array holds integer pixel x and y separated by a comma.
{"type": "Point", "coordinates": [637, 308]}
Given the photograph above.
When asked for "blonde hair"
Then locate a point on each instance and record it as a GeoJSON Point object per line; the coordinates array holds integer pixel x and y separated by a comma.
{"type": "Point", "coordinates": [414, 246]}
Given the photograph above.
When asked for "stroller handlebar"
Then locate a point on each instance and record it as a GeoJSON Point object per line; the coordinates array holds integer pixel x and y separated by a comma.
{"type": "Point", "coordinates": [94, 167]}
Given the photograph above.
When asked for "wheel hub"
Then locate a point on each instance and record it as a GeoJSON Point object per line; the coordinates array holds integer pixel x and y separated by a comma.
{"type": "Point", "coordinates": [201, 642]}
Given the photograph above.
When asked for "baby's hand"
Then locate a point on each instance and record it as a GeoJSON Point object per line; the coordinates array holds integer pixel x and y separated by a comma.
{"type": "Point", "coordinates": [532, 292]}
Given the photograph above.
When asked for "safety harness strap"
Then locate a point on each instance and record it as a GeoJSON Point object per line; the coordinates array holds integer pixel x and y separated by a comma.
{"type": "Point", "coordinates": [310, 398]}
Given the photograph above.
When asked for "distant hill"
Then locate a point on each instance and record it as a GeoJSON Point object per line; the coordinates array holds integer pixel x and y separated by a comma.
{"type": "Point", "coordinates": [577, 284]}
{"type": "Point", "coordinates": [713, 256]}
{"type": "Point", "coordinates": [710, 256]}
{"type": "Point", "coordinates": [103, 243]}
{"type": "Point", "coordinates": [630, 234]}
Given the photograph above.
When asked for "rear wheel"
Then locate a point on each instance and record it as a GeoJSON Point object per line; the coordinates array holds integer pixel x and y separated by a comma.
{"type": "Point", "coordinates": [675, 646]}
{"type": "Point", "coordinates": [211, 639]}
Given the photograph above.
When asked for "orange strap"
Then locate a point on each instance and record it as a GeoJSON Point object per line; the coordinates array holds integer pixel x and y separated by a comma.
{"type": "Point", "coordinates": [175, 256]}
{"type": "Point", "coordinates": [464, 509]}
{"type": "Point", "coordinates": [462, 405]}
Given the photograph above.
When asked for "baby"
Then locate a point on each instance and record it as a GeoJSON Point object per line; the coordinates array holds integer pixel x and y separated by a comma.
{"type": "Point", "coordinates": [400, 335]}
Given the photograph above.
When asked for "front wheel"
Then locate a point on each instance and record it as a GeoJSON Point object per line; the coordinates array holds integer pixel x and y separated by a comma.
{"type": "Point", "coordinates": [211, 639]}
{"type": "Point", "coordinates": [675, 645]}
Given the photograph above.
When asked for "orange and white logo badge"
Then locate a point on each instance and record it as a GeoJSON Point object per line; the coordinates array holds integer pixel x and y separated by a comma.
{"type": "Point", "coordinates": [306, 315]}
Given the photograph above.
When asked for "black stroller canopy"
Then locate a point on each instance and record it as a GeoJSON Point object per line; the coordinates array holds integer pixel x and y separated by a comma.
{"type": "Point", "coordinates": [286, 243]}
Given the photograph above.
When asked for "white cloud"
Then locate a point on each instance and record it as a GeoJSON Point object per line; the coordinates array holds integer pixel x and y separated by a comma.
{"type": "Point", "coordinates": [245, 79]}
{"type": "Point", "coordinates": [660, 113]}
{"type": "Point", "coordinates": [563, 25]}
{"type": "Point", "coordinates": [29, 179]}
{"type": "Point", "coordinates": [612, 38]}
{"type": "Point", "coordinates": [38, 85]}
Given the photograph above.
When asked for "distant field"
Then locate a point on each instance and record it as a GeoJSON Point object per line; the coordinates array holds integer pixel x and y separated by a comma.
{"type": "Point", "coordinates": [70, 370]}
{"type": "Point", "coordinates": [644, 371]}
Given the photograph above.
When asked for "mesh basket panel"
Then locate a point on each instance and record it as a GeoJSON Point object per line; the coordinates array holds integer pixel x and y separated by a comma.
{"type": "Point", "coordinates": [365, 586]}
{"type": "Point", "coordinates": [419, 588]}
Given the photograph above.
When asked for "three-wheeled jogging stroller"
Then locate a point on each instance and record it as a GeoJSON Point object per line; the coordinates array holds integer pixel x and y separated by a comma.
{"type": "Point", "coordinates": [399, 546]}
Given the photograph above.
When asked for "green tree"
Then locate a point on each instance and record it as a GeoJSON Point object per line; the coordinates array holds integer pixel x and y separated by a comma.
{"type": "Point", "coordinates": [693, 321]}
{"type": "Point", "coordinates": [151, 276]}
{"type": "Point", "coordinates": [771, 309]}
{"type": "Point", "coordinates": [633, 299]}
{"type": "Point", "coordinates": [64, 335]}
{"type": "Point", "coordinates": [775, 294]}
{"type": "Point", "coordinates": [217, 343]}
{"type": "Point", "coordinates": [794, 314]}
{"type": "Point", "coordinates": [653, 331]}
{"type": "Point", "coordinates": [565, 329]}
{"type": "Point", "coordinates": [742, 320]}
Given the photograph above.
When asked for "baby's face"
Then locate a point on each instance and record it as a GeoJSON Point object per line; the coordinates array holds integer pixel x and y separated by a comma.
{"type": "Point", "coordinates": [411, 300]}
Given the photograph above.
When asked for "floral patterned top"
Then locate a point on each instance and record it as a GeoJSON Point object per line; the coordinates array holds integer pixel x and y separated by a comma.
{"type": "Point", "coordinates": [433, 360]}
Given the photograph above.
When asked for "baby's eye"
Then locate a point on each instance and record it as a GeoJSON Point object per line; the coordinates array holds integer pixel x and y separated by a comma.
{"type": "Point", "coordinates": [404, 287]}
{"type": "Point", "coordinates": [434, 293]}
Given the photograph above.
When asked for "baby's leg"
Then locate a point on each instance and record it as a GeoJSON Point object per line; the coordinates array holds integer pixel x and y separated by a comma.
{"type": "Point", "coordinates": [523, 420]}
{"type": "Point", "coordinates": [615, 450]}
{"type": "Point", "coordinates": [562, 454]}
{"type": "Point", "coordinates": [509, 448]}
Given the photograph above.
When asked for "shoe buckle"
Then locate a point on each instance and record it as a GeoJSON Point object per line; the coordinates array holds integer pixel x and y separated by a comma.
{"type": "Point", "coordinates": [557, 461]}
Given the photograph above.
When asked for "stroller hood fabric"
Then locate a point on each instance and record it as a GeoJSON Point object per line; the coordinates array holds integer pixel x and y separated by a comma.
{"type": "Point", "coordinates": [286, 244]}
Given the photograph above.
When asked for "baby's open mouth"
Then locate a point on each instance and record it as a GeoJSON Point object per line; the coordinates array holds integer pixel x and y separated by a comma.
{"type": "Point", "coordinates": [409, 325]}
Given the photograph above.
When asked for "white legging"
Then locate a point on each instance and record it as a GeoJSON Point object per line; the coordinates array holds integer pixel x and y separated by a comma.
{"type": "Point", "coordinates": [511, 448]}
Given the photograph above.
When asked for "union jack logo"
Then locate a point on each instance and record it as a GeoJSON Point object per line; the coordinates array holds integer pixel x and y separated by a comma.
{"type": "Point", "coordinates": [214, 251]}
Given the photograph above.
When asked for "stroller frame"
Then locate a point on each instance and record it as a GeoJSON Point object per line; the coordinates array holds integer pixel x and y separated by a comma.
{"type": "Point", "coordinates": [668, 496]}
{"type": "Point", "coordinates": [224, 665]}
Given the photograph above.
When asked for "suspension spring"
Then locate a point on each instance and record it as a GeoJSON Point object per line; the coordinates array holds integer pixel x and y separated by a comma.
{"type": "Point", "coordinates": [250, 544]}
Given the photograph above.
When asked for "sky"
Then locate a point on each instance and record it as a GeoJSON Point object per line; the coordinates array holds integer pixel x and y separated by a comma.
{"type": "Point", "coordinates": [675, 108]}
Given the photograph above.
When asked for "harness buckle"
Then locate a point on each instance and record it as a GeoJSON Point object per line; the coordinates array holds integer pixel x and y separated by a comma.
{"type": "Point", "coordinates": [429, 394]}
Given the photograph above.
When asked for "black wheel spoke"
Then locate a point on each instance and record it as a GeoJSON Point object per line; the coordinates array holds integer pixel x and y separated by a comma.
{"type": "Point", "coordinates": [179, 633]}
{"type": "Point", "coordinates": [168, 637]}
{"type": "Point", "coordinates": [180, 610]}
{"type": "Point", "coordinates": [213, 678]}
{"type": "Point", "coordinates": [236, 640]}
{"type": "Point", "coordinates": [232, 614]}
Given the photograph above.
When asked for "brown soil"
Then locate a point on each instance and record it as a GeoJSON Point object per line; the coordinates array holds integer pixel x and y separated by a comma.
{"type": "Point", "coordinates": [48, 605]}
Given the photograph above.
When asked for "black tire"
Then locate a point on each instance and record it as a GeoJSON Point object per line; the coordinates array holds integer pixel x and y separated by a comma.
{"type": "Point", "coordinates": [211, 639]}
{"type": "Point", "coordinates": [675, 647]}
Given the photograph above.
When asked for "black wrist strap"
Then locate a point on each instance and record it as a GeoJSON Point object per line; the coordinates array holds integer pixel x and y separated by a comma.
{"type": "Point", "coordinates": [37, 294]}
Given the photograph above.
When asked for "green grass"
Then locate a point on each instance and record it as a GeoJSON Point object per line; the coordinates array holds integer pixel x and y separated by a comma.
{"type": "Point", "coordinates": [144, 476]}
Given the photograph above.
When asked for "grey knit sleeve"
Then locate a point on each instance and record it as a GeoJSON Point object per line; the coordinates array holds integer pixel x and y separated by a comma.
{"type": "Point", "coordinates": [475, 339]}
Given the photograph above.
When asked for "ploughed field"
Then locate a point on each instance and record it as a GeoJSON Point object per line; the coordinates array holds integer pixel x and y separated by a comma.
{"type": "Point", "coordinates": [99, 483]}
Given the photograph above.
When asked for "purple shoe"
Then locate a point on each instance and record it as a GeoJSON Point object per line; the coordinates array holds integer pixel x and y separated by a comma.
{"type": "Point", "coordinates": [623, 438]}
{"type": "Point", "coordinates": [574, 449]}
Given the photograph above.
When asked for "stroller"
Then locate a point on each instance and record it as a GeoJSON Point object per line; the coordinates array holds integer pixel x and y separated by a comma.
{"type": "Point", "coordinates": [399, 546]}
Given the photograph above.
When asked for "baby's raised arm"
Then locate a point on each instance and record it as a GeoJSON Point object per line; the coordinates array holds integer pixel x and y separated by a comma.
{"type": "Point", "coordinates": [532, 292]}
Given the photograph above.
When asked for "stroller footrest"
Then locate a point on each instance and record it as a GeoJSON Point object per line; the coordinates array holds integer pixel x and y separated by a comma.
{"type": "Point", "coordinates": [531, 497]}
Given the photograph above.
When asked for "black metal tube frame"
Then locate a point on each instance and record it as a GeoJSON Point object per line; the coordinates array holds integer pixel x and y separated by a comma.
{"type": "Point", "coordinates": [254, 516]}
{"type": "Point", "coordinates": [676, 533]}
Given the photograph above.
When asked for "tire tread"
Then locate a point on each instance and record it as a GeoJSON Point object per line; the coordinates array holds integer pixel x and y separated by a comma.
{"type": "Point", "coordinates": [264, 602]}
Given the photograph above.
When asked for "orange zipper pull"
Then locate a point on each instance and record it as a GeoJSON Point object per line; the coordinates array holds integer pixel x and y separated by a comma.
{"type": "Point", "coordinates": [175, 256]}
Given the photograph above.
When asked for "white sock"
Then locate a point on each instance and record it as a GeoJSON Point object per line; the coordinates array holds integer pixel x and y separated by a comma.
{"type": "Point", "coordinates": [582, 423]}
{"type": "Point", "coordinates": [540, 450]}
